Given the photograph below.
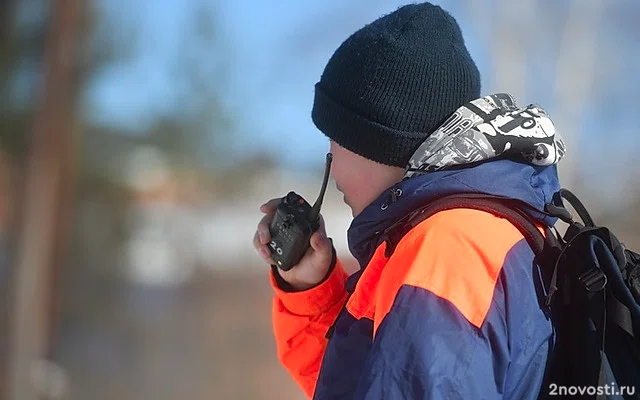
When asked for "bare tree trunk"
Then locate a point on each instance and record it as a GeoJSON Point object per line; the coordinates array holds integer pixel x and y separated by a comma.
{"type": "Point", "coordinates": [7, 195]}
{"type": "Point", "coordinates": [46, 200]}
{"type": "Point", "coordinates": [6, 18]}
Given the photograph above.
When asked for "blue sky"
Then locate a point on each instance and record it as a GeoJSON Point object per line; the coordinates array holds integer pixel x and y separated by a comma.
{"type": "Point", "coordinates": [274, 52]}
{"type": "Point", "coordinates": [277, 50]}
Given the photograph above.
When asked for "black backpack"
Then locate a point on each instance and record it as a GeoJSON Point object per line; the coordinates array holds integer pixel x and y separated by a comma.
{"type": "Point", "coordinates": [590, 289]}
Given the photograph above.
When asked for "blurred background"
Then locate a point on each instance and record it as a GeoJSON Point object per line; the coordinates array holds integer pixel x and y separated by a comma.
{"type": "Point", "coordinates": [138, 138]}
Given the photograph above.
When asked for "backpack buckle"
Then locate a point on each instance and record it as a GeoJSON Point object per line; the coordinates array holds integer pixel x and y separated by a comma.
{"type": "Point", "coordinates": [594, 280]}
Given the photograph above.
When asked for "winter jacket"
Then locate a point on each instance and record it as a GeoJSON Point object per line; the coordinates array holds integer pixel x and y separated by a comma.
{"type": "Point", "coordinates": [453, 313]}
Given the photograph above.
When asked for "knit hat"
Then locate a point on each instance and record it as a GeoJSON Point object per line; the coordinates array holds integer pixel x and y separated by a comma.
{"type": "Point", "coordinates": [393, 82]}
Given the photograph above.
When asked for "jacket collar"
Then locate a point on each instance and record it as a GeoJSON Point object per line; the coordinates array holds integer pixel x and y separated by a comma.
{"type": "Point", "coordinates": [532, 184]}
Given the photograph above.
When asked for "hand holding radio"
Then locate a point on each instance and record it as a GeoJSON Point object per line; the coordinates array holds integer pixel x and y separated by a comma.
{"type": "Point", "coordinates": [292, 237]}
{"type": "Point", "coordinates": [315, 262]}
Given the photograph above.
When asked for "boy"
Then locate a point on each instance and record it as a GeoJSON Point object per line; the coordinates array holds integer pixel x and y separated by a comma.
{"type": "Point", "coordinates": [453, 311]}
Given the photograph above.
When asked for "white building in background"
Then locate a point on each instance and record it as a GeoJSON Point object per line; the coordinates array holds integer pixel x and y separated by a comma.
{"type": "Point", "coordinates": [162, 228]}
{"type": "Point", "coordinates": [161, 250]}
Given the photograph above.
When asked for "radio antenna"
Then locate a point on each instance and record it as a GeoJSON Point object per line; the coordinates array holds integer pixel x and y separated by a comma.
{"type": "Point", "coordinates": [315, 211]}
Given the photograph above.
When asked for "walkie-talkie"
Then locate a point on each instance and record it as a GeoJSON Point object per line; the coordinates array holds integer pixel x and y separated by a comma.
{"type": "Point", "coordinates": [293, 224]}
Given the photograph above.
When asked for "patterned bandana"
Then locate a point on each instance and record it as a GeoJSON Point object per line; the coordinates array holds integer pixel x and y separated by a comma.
{"type": "Point", "coordinates": [490, 127]}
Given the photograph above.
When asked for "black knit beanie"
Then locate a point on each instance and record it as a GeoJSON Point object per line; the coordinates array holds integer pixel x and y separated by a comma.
{"type": "Point", "coordinates": [393, 82]}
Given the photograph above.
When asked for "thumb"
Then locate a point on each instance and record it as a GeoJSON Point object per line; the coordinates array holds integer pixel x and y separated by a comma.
{"type": "Point", "coordinates": [320, 242]}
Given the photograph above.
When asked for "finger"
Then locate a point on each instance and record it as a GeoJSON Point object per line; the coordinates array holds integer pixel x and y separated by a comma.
{"type": "Point", "coordinates": [264, 235]}
{"type": "Point", "coordinates": [262, 250]}
{"type": "Point", "coordinates": [270, 206]}
{"type": "Point", "coordinates": [265, 255]}
{"type": "Point", "coordinates": [256, 241]}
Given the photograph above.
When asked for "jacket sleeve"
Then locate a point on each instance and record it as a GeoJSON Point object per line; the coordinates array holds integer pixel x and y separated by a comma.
{"type": "Point", "coordinates": [432, 336]}
{"type": "Point", "coordinates": [301, 320]}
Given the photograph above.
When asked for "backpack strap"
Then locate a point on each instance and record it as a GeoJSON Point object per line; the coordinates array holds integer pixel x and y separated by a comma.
{"type": "Point", "coordinates": [577, 205]}
{"type": "Point", "coordinates": [511, 209]}
{"type": "Point", "coordinates": [546, 248]}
